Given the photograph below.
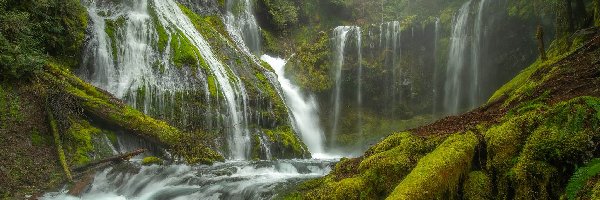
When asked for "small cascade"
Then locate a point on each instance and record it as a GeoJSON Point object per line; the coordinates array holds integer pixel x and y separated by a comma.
{"type": "Point", "coordinates": [242, 25]}
{"type": "Point", "coordinates": [476, 55]}
{"type": "Point", "coordinates": [304, 109]}
{"type": "Point", "coordinates": [435, 67]}
{"type": "Point", "coordinates": [459, 41]}
{"type": "Point", "coordinates": [230, 180]}
{"type": "Point", "coordinates": [390, 34]}
{"type": "Point", "coordinates": [359, 79]}
{"type": "Point", "coordinates": [340, 37]}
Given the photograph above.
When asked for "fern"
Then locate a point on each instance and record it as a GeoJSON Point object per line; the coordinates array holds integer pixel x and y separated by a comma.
{"type": "Point", "coordinates": [581, 176]}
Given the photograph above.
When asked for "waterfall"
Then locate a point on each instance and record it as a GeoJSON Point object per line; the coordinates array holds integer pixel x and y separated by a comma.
{"type": "Point", "coordinates": [359, 97]}
{"type": "Point", "coordinates": [234, 93]}
{"type": "Point", "coordinates": [435, 67]}
{"type": "Point", "coordinates": [242, 25]}
{"type": "Point", "coordinates": [456, 61]}
{"type": "Point", "coordinates": [390, 34]}
{"type": "Point", "coordinates": [127, 60]}
{"type": "Point", "coordinates": [130, 65]}
{"type": "Point", "coordinates": [340, 34]}
{"type": "Point", "coordinates": [304, 109]}
{"type": "Point", "coordinates": [476, 54]}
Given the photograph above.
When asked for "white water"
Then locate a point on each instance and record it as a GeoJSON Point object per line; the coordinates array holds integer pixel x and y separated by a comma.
{"type": "Point", "coordinates": [435, 67]}
{"type": "Point", "coordinates": [456, 61]}
{"type": "Point", "coordinates": [476, 54]}
{"type": "Point", "coordinates": [242, 25]}
{"type": "Point", "coordinates": [341, 35]}
{"type": "Point", "coordinates": [234, 93]}
{"type": "Point", "coordinates": [304, 109]}
{"type": "Point", "coordinates": [392, 51]}
{"type": "Point", "coordinates": [230, 180]}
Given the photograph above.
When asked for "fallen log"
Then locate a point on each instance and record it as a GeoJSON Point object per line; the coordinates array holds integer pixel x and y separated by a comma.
{"type": "Point", "coordinates": [114, 159]}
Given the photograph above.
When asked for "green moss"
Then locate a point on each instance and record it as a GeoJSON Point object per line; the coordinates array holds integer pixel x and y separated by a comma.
{"type": "Point", "coordinates": [210, 26]}
{"type": "Point", "coordinates": [437, 175]}
{"type": "Point", "coordinates": [79, 142]}
{"type": "Point", "coordinates": [98, 104]}
{"type": "Point", "coordinates": [163, 36]}
{"type": "Point", "coordinates": [112, 28]}
{"type": "Point", "coordinates": [311, 64]}
{"type": "Point", "coordinates": [184, 53]}
{"type": "Point", "coordinates": [388, 162]}
{"type": "Point", "coordinates": [524, 83]}
{"type": "Point", "coordinates": [286, 139]}
{"type": "Point", "coordinates": [151, 160]}
{"type": "Point", "coordinates": [59, 148]}
{"type": "Point", "coordinates": [37, 139]}
{"type": "Point", "coordinates": [212, 86]}
{"type": "Point", "coordinates": [477, 186]}
{"type": "Point", "coordinates": [581, 177]}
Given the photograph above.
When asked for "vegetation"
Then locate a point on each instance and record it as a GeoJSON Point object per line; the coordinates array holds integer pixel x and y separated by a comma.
{"type": "Point", "coordinates": [32, 31]}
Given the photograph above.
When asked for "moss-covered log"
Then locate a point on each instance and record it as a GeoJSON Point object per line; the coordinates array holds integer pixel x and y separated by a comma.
{"type": "Point", "coordinates": [113, 111]}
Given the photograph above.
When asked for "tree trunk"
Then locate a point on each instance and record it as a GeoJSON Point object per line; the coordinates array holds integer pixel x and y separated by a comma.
{"type": "Point", "coordinates": [540, 39]}
{"type": "Point", "coordinates": [117, 158]}
{"type": "Point", "coordinates": [569, 9]}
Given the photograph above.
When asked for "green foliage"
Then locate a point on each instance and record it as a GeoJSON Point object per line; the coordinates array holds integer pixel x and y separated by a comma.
{"type": "Point", "coordinates": [310, 66]}
{"type": "Point", "coordinates": [439, 172]}
{"type": "Point", "coordinates": [581, 176]}
{"type": "Point", "coordinates": [478, 186]}
{"type": "Point", "coordinates": [151, 160]}
{"type": "Point", "coordinates": [283, 13]}
{"type": "Point", "coordinates": [30, 30]}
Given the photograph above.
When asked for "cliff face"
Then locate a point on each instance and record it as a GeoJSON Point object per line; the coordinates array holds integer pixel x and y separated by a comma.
{"type": "Point", "coordinates": [404, 71]}
{"type": "Point", "coordinates": [525, 143]}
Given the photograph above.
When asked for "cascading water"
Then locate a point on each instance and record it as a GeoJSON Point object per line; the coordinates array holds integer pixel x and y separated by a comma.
{"type": "Point", "coordinates": [359, 97]}
{"type": "Point", "coordinates": [476, 54]}
{"type": "Point", "coordinates": [391, 33]}
{"type": "Point", "coordinates": [231, 180]}
{"type": "Point", "coordinates": [303, 109]}
{"type": "Point", "coordinates": [435, 67]}
{"type": "Point", "coordinates": [341, 35]}
{"type": "Point", "coordinates": [456, 62]}
{"type": "Point", "coordinates": [234, 93]}
{"type": "Point", "coordinates": [242, 25]}
{"type": "Point", "coordinates": [463, 82]}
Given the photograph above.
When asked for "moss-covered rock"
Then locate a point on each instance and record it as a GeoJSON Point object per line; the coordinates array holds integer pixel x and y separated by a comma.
{"type": "Point", "coordinates": [151, 160]}
{"type": "Point", "coordinates": [438, 174]}
{"type": "Point", "coordinates": [477, 186]}
{"type": "Point", "coordinates": [285, 143]}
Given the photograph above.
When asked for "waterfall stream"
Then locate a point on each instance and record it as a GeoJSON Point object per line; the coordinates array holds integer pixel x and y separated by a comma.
{"type": "Point", "coordinates": [242, 25]}
{"type": "Point", "coordinates": [459, 40]}
{"type": "Point", "coordinates": [340, 37]}
{"type": "Point", "coordinates": [303, 109]}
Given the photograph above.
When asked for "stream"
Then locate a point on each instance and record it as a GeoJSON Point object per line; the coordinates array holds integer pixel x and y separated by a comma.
{"type": "Point", "coordinates": [228, 180]}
